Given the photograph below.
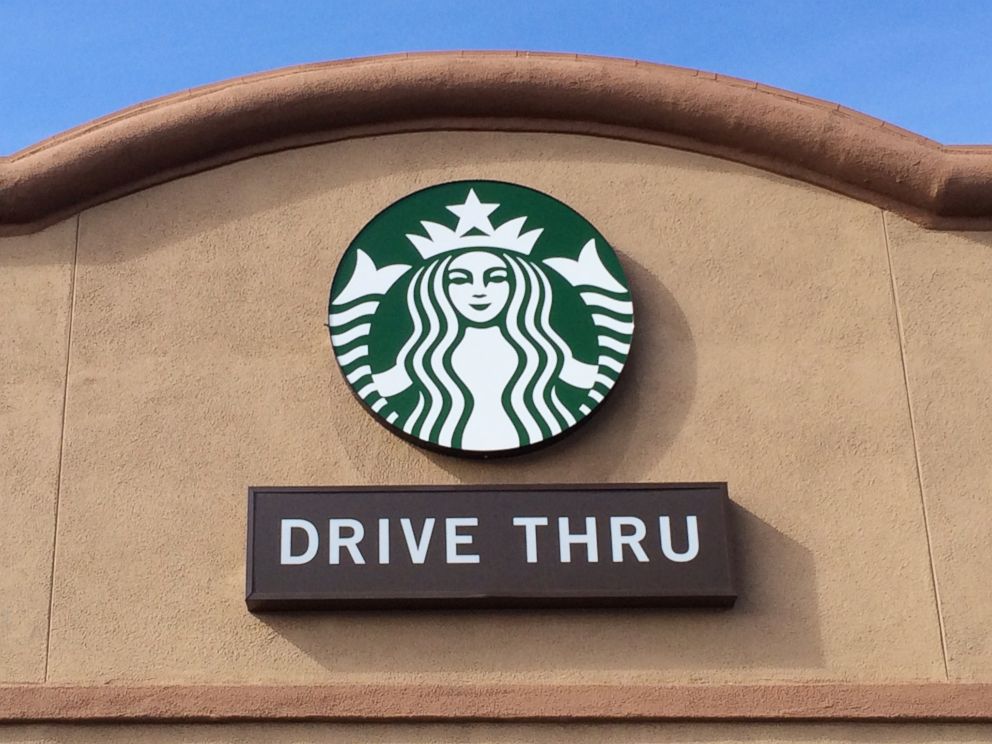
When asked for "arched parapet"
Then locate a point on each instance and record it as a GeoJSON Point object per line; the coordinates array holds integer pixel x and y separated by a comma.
{"type": "Point", "coordinates": [789, 134]}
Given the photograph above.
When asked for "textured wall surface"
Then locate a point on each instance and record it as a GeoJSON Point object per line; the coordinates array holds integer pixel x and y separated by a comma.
{"type": "Point", "coordinates": [35, 288]}
{"type": "Point", "coordinates": [768, 356]}
{"type": "Point", "coordinates": [945, 298]}
{"type": "Point", "coordinates": [504, 734]}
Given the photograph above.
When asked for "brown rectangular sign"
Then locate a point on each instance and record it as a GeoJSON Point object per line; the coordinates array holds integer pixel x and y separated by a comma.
{"type": "Point", "coordinates": [489, 546]}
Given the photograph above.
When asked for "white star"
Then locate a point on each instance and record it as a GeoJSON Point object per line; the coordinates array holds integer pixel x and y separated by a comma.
{"type": "Point", "coordinates": [473, 213]}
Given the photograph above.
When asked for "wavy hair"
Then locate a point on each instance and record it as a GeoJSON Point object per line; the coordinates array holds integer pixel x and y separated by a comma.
{"type": "Point", "coordinates": [444, 402]}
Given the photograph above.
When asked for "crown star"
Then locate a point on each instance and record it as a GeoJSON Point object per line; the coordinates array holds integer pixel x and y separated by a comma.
{"type": "Point", "coordinates": [474, 215]}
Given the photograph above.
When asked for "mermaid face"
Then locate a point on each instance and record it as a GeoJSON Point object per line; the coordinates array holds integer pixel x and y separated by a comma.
{"type": "Point", "coordinates": [478, 285]}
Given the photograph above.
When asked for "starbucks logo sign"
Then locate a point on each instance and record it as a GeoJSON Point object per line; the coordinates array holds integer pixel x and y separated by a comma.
{"type": "Point", "coordinates": [480, 317]}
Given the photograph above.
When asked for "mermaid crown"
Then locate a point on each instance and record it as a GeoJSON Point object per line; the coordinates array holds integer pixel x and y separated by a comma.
{"type": "Point", "coordinates": [474, 230]}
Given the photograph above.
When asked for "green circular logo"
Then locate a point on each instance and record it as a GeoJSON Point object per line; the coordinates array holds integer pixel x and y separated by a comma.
{"type": "Point", "coordinates": [480, 317]}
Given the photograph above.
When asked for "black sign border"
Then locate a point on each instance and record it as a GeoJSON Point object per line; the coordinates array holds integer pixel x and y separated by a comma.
{"type": "Point", "coordinates": [259, 602]}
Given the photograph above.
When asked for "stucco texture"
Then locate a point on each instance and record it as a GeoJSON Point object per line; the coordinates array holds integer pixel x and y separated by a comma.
{"type": "Point", "coordinates": [944, 282]}
{"type": "Point", "coordinates": [35, 279]}
{"type": "Point", "coordinates": [840, 733]}
{"type": "Point", "coordinates": [768, 356]}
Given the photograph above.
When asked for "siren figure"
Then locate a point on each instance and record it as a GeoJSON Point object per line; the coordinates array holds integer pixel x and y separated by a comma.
{"type": "Point", "coordinates": [483, 360]}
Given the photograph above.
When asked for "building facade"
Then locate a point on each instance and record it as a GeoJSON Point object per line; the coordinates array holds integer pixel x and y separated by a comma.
{"type": "Point", "coordinates": [812, 289]}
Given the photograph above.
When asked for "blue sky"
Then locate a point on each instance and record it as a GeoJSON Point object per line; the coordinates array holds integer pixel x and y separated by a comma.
{"type": "Point", "coordinates": [926, 66]}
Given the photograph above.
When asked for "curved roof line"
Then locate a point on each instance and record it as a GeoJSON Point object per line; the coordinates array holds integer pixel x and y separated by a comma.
{"type": "Point", "coordinates": [786, 133]}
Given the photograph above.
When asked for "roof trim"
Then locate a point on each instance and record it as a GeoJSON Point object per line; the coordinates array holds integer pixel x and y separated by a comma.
{"type": "Point", "coordinates": [785, 133]}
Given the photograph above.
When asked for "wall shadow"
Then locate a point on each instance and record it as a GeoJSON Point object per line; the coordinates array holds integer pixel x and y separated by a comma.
{"type": "Point", "coordinates": [624, 438]}
{"type": "Point", "coordinates": [218, 197]}
{"type": "Point", "coordinates": [774, 627]}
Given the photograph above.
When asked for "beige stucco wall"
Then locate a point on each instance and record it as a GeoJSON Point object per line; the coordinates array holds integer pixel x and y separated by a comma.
{"type": "Point", "coordinates": [768, 356]}
{"type": "Point", "coordinates": [35, 289]}
{"type": "Point", "coordinates": [945, 301]}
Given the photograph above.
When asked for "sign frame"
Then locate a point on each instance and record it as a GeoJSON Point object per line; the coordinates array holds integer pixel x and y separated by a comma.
{"type": "Point", "coordinates": [260, 601]}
